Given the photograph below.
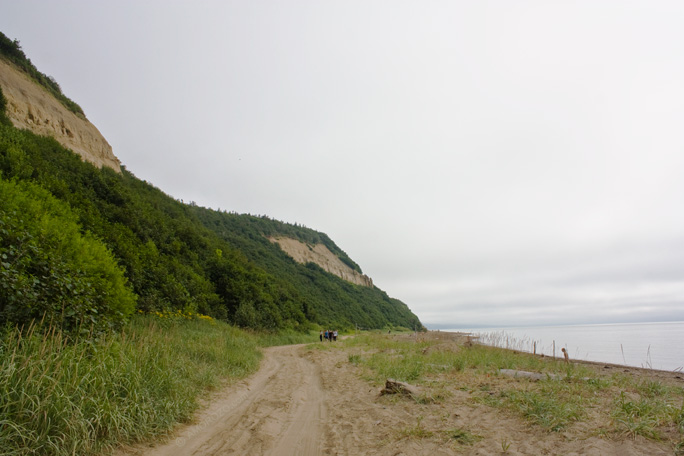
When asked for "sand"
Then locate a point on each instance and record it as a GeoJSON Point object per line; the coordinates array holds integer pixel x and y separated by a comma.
{"type": "Point", "coordinates": [305, 401]}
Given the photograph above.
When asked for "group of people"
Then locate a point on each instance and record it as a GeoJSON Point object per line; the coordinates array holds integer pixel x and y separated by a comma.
{"type": "Point", "coordinates": [330, 336]}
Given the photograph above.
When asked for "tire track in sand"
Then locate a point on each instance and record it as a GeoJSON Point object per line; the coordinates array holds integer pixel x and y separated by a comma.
{"type": "Point", "coordinates": [277, 411]}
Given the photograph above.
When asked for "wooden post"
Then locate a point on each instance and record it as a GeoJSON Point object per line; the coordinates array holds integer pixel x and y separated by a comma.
{"type": "Point", "coordinates": [535, 347]}
{"type": "Point", "coordinates": [554, 349]}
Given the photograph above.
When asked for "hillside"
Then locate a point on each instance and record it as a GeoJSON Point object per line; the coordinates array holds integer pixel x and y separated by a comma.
{"type": "Point", "coordinates": [331, 299]}
{"type": "Point", "coordinates": [173, 256]}
{"type": "Point", "coordinates": [303, 252]}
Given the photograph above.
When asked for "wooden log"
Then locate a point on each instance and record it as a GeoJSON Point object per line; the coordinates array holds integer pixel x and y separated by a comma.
{"type": "Point", "coordinates": [394, 387]}
{"type": "Point", "coordinates": [525, 374]}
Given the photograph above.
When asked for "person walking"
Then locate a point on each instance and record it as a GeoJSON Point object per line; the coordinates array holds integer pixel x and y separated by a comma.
{"type": "Point", "coordinates": [320, 335]}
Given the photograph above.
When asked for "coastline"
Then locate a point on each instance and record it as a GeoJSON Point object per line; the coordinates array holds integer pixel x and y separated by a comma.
{"type": "Point", "coordinates": [651, 345]}
{"type": "Point", "coordinates": [672, 376]}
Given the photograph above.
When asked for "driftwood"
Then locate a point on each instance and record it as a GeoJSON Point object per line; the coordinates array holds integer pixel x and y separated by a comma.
{"type": "Point", "coordinates": [395, 387]}
{"type": "Point", "coordinates": [525, 374]}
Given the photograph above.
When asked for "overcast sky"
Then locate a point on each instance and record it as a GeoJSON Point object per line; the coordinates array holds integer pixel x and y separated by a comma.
{"type": "Point", "coordinates": [489, 163]}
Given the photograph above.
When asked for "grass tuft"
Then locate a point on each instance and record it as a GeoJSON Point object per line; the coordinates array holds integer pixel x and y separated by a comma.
{"type": "Point", "coordinates": [416, 432]}
{"type": "Point", "coordinates": [462, 436]}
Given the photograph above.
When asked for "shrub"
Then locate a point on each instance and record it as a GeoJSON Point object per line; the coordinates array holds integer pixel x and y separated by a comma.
{"type": "Point", "coordinates": [50, 270]}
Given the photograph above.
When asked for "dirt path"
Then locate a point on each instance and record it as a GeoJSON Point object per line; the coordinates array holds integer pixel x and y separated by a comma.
{"type": "Point", "coordinates": [308, 401]}
{"type": "Point", "coordinates": [278, 410]}
{"type": "Point", "coordinates": [302, 402]}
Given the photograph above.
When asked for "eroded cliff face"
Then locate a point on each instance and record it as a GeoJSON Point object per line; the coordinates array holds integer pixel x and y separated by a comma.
{"type": "Point", "coordinates": [30, 106]}
{"type": "Point", "coordinates": [320, 255]}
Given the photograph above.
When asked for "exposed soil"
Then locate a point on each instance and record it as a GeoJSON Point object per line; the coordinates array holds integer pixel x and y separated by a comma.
{"type": "Point", "coordinates": [30, 106]}
{"type": "Point", "coordinates": [323, 257]}
{"type": "Point", "coordinates": [305, 401]}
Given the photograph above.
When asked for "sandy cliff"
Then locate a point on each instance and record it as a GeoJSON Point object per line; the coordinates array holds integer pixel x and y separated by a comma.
{"type": "Point", "coordinates": [30, 106]}
{"type": "Point", "coordinates": [319, 254]}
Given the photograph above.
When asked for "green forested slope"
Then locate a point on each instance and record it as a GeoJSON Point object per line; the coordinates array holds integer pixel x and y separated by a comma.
{"type": "Point", "coordinates": [335, 301]}
{"type": "Point", "coordinates": [173, 255]}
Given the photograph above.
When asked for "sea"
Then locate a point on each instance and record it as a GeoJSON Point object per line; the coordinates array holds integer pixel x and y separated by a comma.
{"type": "Point", "coordinates": [649, 345]}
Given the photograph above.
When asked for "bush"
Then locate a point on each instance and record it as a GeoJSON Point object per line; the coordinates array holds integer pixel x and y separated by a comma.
{"type": "Point", "coordinates": [50, 270]}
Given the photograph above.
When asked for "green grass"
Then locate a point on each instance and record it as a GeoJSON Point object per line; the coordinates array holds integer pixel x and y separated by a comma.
{"type": "Point", "coordinates": [65, 398]}
{"type": "Point", "coordinates": [550, 411]}
{"type": "Point", "coordinates": [648, 414]}
{"type": "Point", "coordinates": [462, 436]}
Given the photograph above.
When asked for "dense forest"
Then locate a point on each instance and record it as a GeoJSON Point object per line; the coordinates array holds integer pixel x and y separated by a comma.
{"type": "Point", "coordinates": [80, 244]}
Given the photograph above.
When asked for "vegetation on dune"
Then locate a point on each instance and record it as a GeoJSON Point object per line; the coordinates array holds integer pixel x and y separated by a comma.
{"type": "Point", "coordinates": [11, 50]}
{"type": "Point", "coordinates": [572, 394]}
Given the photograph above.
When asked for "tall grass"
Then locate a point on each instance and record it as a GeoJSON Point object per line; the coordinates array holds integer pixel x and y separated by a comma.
{"type": "Point", "coordinates": [79, 398]}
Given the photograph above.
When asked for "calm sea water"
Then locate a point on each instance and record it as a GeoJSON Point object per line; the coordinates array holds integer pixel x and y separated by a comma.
{"type": "Point", "coordinates": [651, 345]}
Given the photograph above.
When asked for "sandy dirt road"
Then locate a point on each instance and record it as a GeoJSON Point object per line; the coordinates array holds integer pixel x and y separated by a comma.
{"type": "Point", "coordinates": [278, 410]}
{"type": "Point", "coordinates": [311, 400]}
{"type": "Point", "coordinates": [301, 402]}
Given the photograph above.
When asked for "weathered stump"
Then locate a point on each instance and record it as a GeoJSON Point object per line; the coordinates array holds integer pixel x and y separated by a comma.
{"type": "Point", "coordinates": [395, 387]}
